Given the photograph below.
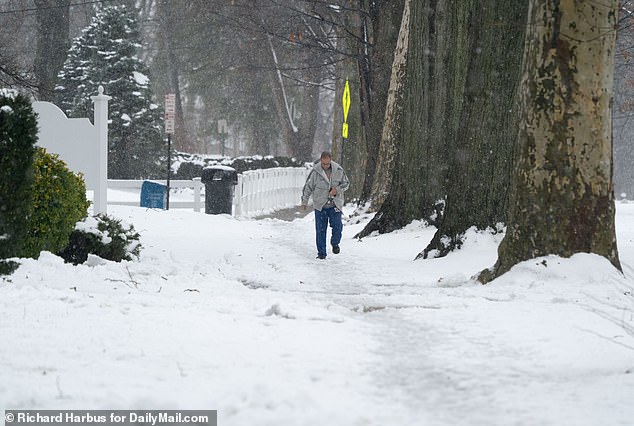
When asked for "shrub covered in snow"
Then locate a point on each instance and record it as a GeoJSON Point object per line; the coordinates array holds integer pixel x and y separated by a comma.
{"type": "Point", "coordinates": [103, 236]}
{"type": "Point", "coordinates": [18, 134]}
{"type": "Point", "coordinates": [188, 166]}
{"type": "Point", "coordinates": [58, 201]}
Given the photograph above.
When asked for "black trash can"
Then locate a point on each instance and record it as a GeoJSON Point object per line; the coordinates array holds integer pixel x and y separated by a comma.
{"type": "Point", "coordinates": [220, 182]}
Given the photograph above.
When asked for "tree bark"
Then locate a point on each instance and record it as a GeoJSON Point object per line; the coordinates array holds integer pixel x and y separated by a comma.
{"type": "Point", "coordinates": [562, 198]}
{"type": "Point", "coordinates": [53, 21]}
{"type": "Point", "coordinates": [424, 125]}
{"type": "Point", "coordinates": [385, 18]}
{"type": "Point", "coordinates": [391, 131]}
{"type": "Point", "coordinates": [482, 154]}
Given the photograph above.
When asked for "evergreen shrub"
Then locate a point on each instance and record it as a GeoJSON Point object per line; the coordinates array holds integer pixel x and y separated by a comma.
{"type": "Point", "coordinates": [188, 170]}
{"type": "Point", "coordinates": [18, 135]}
{"type": "Point", "coordinates": [7, 267]}
{"type": "Point", "coordinates": [189, 166]}
{"type": "Point", "coordinates": [106, 54]}
{"type": "Point", "coordinates": [103, 236]}
{"type": "Point", "coordinates": [58, 200]}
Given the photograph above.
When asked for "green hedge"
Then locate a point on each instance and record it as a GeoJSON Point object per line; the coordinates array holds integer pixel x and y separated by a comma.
{"type": "Point", "coordinates": [189, 166]}
{"type": "Point", "coordinates": [18, 135]}
{"type": "Point", "coordinates": [58, 202]}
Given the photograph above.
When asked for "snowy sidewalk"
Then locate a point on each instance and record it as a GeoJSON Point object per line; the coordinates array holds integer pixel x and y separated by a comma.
{"type": "Point", "coordinates": [287, 214]}
{"type": "Point", "coordinates": [239, 316]}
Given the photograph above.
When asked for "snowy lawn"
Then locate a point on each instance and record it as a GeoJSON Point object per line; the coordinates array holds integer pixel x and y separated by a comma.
{"type": "Point", "coordinates": [238, 315]}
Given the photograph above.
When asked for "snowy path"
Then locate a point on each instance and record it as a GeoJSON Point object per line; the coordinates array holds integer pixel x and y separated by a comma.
{"type": "Point", "coordinates": [446, 355]}
{"type": "Point", "coordinates": [237, 315]}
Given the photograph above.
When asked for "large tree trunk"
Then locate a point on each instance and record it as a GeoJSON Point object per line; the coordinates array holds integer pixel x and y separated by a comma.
{"type": "Point", "coordinates": [562, 198]}
{"type": "Point", "coordinates": [482, 157]}
{"type": "Point", "coordinates": [53, 20]}
{"type": "Point", "coordinates": [425, 122]}
{"type": "Point", "coordinates": [386, 17]}
{"type": "Point", "coordinates": [391, 132]}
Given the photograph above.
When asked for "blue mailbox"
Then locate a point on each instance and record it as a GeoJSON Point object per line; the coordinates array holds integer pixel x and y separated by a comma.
{"type": "Point", "coordinates": [153, 195]}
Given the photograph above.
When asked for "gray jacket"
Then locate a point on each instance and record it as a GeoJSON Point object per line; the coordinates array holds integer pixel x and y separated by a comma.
{"type": "Point", "coordinates": [318, 186]}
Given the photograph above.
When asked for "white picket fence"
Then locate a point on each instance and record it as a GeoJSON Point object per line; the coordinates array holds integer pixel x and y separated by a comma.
{"type": "Point", "coordinates": [257, 191]}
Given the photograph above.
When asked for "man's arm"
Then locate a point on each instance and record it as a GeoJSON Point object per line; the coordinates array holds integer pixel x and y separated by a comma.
{"type": "Point", "coordinates": [345, 183]}
{"type": "Point", "coordinates": [309, 187]}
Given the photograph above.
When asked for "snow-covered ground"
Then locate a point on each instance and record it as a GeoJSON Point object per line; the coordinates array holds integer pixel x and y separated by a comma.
{"type": "Point", "coordinates": [238, 315]}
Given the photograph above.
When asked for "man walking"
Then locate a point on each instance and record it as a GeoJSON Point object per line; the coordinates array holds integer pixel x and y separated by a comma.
{"type": "Point", "coordinates": [326, 183]}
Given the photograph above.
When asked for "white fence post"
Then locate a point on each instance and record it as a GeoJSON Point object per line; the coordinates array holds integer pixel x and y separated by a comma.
{"type": "Point", "coordinates": [238, 199]}
{"type": "Point", "coordinates": [101, 124]}
{"type": "Point", "coordinates": [197, 186]}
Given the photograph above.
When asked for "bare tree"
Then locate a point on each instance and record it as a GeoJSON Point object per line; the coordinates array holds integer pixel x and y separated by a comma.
{"type": "Point", "coordinates": [169, 15]}
{"type": "Point", "coordinates": [623, 114]}
{"type": "Point", "coordinates": [53, 21]}
{"type": "Point", "coordinates": [366, 41]}
{"type": "Point", "coordinates": [16, 34]}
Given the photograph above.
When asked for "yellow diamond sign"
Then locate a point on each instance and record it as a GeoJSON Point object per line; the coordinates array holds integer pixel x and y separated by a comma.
{"type": "Point", "coordinates": [346, 107]}
{"type": "Point", "coordinates": [346, 101]}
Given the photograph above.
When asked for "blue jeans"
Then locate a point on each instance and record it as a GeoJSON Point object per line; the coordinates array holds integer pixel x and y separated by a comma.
{"type": "Point", "coordinates": [332, 215]}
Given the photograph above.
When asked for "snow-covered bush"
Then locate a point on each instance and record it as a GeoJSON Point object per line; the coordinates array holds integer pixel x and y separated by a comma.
{"type": "Point", "coordinates": [58, 201]}
{"type": "Point", "coordinates": [103, 236]}
{"type": "Point", "coordinates": [188, 166]}
{"type": "Point", "coordinates": [18, 134]}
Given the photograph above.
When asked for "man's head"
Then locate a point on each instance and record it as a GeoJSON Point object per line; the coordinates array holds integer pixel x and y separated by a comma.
{"type": "Point", "coordinates": [325, 159]}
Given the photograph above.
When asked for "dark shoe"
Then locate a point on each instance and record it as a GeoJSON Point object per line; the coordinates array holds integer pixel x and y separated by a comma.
{"type": "Point", "coordinates": [336, 249]}
{"type": "Point", "coordinates": [319, 256]}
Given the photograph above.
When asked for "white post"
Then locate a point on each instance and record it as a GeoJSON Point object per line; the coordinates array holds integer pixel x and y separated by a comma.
{"type": "Point", "coordinates": [238, 202]}
{"type": "Point", "coordinates": [197, 187]}
{"type": "Point", "coordinates": [100, 202]}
